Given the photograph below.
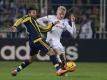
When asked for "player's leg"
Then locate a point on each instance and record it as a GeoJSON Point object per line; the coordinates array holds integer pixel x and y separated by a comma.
{"type": "Point", "coordinates": [53, 58]}
{"type": "Point", "coordinates": [22, 66]}
{"type": "Point", "coordinates": [50, 52]}
{"type": "Point", "coordinates": [53, 44]}
{"type": "Point", "coordinates": [63, 59]}
{"type": "Point", "coordinates": [26, 62]}
{"type": "Point", "coordinates": [59, 50]}
{"type": "Point", "coordinates": [60, 56]}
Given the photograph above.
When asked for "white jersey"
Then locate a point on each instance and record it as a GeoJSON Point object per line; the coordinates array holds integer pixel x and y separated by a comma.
{"type": "Point", "coordinates": [57, 30]}
{"type": "Point", "coordinates": [53, 36]}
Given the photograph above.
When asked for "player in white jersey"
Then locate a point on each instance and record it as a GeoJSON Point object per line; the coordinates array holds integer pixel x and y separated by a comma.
{"type": "Point", "coordinates": [53, 36]}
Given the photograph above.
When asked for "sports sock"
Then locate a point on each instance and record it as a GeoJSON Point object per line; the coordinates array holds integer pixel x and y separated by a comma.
{"type": "Point", "coordinates": [55, 62]}
{"type": "Point", "coordinates": [23, 65]}
{"type": "Point", "coordinates": [63, 59]}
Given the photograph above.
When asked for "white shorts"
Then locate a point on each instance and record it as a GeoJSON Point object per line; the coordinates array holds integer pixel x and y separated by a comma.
{"type": "Point", "coordinates": [56, 45]}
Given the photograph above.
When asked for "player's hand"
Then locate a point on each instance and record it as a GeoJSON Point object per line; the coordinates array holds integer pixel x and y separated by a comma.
{"type": "Point", "coordinates": [72, 18]}
{"type": "Point", "coordinates": [13, 29]}
{"type": "Point", "coordinates": [56, 22]}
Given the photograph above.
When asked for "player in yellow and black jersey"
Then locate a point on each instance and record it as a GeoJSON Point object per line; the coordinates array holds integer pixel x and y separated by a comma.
{"type": "Point", "coordinates": [36, 42]}
{"type": "Point", "coordinates": [31, 26]}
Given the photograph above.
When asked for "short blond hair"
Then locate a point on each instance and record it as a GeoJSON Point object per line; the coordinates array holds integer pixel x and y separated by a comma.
{"type": "Point", "coordinates": [62, 8]}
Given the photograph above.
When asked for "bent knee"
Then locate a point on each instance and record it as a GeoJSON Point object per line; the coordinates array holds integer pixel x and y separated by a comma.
{"type": "Point", "coordinates": [51, 52]}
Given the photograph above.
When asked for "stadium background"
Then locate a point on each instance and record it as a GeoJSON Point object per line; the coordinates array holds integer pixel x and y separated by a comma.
{"type": "Point", "coordinates": [90, 55]}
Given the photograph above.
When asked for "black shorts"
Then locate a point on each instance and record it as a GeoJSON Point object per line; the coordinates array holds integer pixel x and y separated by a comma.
{"type": "Point", "coordinates": [40, 45]}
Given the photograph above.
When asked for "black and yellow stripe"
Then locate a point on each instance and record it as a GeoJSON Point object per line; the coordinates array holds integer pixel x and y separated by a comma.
{"type": "Point", "coordinates": [46, 29]}
{"type": "Point", "coordinates": [31, 27]}
{"type": "Point", "coordinates": [36, 40]}
{"type": "Point", "coordinates": [44, 44]}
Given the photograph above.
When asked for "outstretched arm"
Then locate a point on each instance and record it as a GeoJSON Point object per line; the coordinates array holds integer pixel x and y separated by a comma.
{"type": "Point", "coordinates": [45, 23]}
{"type": "Point", "coordinates": [16, 24]}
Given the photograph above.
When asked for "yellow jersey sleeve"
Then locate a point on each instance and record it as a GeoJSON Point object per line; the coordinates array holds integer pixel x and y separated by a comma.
{"type": "Point", "coordinates": [47, 28]}
{"type": "Point", "coordinates": [21, 20]}
{"type": "Point", "coordinates": [18, 22]}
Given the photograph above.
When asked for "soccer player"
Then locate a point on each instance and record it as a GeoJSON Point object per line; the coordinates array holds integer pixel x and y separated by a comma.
{"type": "Point", "coordinates": [36, 42]}
{"type": "Point", "coordinates": [53, 36]}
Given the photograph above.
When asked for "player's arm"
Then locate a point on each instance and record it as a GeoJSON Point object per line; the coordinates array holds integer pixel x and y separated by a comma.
{"type": "Point", "coordinates": [42, 21]}
{"type": "Point", "coordinates": [16, 25]}
{"type": "Point", "coordinates": [72, 19]}
{"type": "Point", "coordinates": [24, 19]}
{"type": "Point", "coordinates": [71, 29]}
{"type": "Point", "coordinates": [45, 29]}
{"type": "Point", "coordinates": [45, 23]}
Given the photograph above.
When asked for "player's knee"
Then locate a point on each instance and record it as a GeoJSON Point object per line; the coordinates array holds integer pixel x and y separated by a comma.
{"type": "Point", "coordinates": [51, 52]}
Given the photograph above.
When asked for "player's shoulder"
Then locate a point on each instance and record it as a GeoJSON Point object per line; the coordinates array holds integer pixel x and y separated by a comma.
{"type": "Point", "coordinates": [51, 16]}
{"type": "Point", "coordinates": [65, 20]}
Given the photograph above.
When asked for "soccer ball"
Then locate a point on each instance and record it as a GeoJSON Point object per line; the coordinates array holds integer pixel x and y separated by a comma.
{"type": "Point", "coordinates": [70, 66]}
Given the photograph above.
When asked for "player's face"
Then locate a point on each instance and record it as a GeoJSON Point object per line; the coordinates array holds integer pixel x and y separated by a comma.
{"type": "Point", "coordinates": [60, 14]}
{"type": "Point", "coordinates": [72, 17]}
{"type": "Point", "coordinates": [33, 13]}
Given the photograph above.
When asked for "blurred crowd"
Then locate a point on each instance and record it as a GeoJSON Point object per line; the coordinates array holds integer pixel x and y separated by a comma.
{"type": "Point", "coordinates": [84, 11]}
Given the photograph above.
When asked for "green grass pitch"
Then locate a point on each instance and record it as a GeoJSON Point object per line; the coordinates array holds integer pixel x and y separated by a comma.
{"type": "Point", "coordinates": [45, 71]}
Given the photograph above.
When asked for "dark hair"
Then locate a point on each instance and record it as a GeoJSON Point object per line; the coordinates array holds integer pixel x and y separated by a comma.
{"type": "Point", "coordinates": [69, 12]}
{"type": "Point", "coordinates": [29, 9]}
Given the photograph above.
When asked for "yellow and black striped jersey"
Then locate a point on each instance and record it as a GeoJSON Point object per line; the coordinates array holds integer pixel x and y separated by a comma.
{"type": "Point", "coordinates": [31, 27]}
